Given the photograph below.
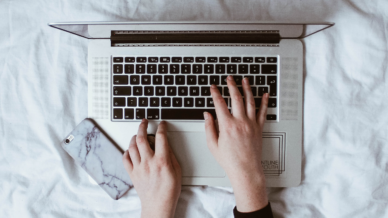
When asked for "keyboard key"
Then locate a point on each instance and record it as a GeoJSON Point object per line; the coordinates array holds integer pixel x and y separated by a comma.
{"type": "Point", "coordinates": [148, 90]}
{"type": "Point", "coordinates": [210, 102]}
{"type": "Point", "coordinates": [259, 59]}
{"type": "Point", "coordinates": [260, 80]}
{"type": "Point", "coordinates": [188, 102]}
{"type": "Point", "coordinates": [153, 59]}
{"type": "Point", "coordinates": [271, 116]}
{"type": "Point", "coordinates": [237, 79]}
{"type": "Point", "coordinates": [121, 90]}
{"type": "Point", "coordinates": [247, 59]}
{"type": "Point", "coordinates": [151, 68]}
{"type": "Point", "coordinates": [211, 59]}
{"type": "Point", "coordinates": [194, 91]}
{"type": "Point", "coordinates": [128, 113]}
{"type": "Point", "coordinates": [268, 69]}
{"type": "Point", "coordinates": [272, 82]}
{"type": "Point", "coordinates": [154, 102]}
{"type": "Point", "coordinates": [185, 114]}
{"type": "Point", "coordinates": [163, 68]}
{"type": "Point", "coordinates": [176, 59]}
{"type": "Point", "coordinates": [143, 102]}
{"type": "Point", "coordinates": [171, 91]}
{"type": "Point", "coordinates": [205, 91]}
{"type": "Point", "coordinates": [129, 68]}
{"type": "Point", "coordinates": [135, 80]}
{"type": "Point", "coordinates": [220, 68]}
{"type": "Point", "coordinates": [272, 102]}
{"type": "Point", "coordinates": [153, 114]}
{"type": "Point", "coordinates": [224, 59]}
{"type": "Point", "coordinates": [140, 113]}
{"type": "Point", "coordinates": [231, 69]}
{"type": "Point", "coordinates": [226, 91]}
{"type": "Point", "coordinates": [254, 91]}
{"type": "Point", "coordinates": [174, 68]}
{"type": "Point", "coordinates": [255, 69]}
{"type": "Point", "coordinates": [141, 59]}
{"type": "Point", "coordinates": [117, 59]}
{"type": "Point", "coordinates": [251, 79]}
{"type": "Point", "coordinates": [272, 60]}
{"type": "Point", "coordinates": [220, 90]}
{"type": "Point", "coordinates": [165, 59]}
{"type": "Point", "coordinates": [182, 91]}
{"type": "Point", "coordinates": [117, 113]}
{"type": "Point", "coordinates": [120, 80]}
{"type": "Point", "coordinates": [200, 59]}
{"type": "Point", "coordinates": [243, 68]}
{"type": "Point", "coordinates": [145, 80]}
{"type": "Point", "coordinates": [215, 80]}
{"type": "Point", "coordinates": [236, 60]}
{"type": "Point", "coordinates": [117, 68]}
{"type": "Point", "coordinates": [257, 102]}
{"type": "Point", "coordinates": [166, 102]}
{"type": "Point", "coordinates": [263, 90]}
{"type": "Point", "coordinates": [197, 68]}
{"type": "Point", "coordinates": [140, 68]}
{"type": "Point", "coordinates": [137, 91]}
{"type": "Point", "coordinates": [191, 80]}
{"type": "Point", "coordinates": [180, 80]}
{"type": "Point", "coordinates": [202, 80]}
{"type": "Point", "coordinates": [200, 102]}
{"type": "Point", "coordinates": [129, 59]}
{"type": "Point", "coordinates": [160, 90]}
{"type": "Point", "coordinates": [223, 80]}
{"type": "Point", "coordinates": [188, 59]}
{"type": "Point", "coordinates": [169, 80]}
{"type": "Point", "coordinates": [157, 80]}
{"type": "Point", "coordinates": [177, 102]}
{"type": "Point", "coordinates": [186, 68]}
{"type": "Point", "coordinates": [119, 102]}
{"type": "Point", "coordinates": [209, 68]}
{"type": "Point", "coordinates": [131, 102]}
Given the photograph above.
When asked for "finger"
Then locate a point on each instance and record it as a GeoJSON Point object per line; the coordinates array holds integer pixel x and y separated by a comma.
{"type": "Point", "coordinates": [211, 132]}
{"type": "Point", "coordinates": [134, 152]}
{"type": "Point", "coordinates": [175, 162]}
{"type": "Point", "coordinates": [127, 162]}
{"type": "Point", "coordinates": [142, 141]}
{"type": "Point", "coordinates": [161, 142]}
{"type": "Point", "coordinates": [261, 116]}
{"type": "Point", "coordinates": [250, 107]}
{"type": "Point", "coordinates": [219, 103]}
{"type": "Point", "coordinates": [237, 100]}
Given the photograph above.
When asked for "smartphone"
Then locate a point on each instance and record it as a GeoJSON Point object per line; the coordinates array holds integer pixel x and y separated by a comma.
{"type": "Point", "coordinates": [93, 150]}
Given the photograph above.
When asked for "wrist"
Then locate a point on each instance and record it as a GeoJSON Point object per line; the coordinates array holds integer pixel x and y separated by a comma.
{"type": "Point", "coordinates": [160, 210]}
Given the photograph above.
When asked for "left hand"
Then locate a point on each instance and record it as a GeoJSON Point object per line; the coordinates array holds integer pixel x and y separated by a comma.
{"type": "Point", "coordinates": [156, 175]}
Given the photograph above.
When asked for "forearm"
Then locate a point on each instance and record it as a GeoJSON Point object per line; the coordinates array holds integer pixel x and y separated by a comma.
{"type": "Point", "coordinates": [166, 211]}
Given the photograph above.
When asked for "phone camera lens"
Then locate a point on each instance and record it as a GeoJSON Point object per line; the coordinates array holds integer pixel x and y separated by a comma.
{"type": "Point", "coordinates": [67, 141]}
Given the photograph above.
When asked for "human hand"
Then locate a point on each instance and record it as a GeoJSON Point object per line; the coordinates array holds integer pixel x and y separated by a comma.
{"type": "Point", "coordinates": [156, 175]}
{"type": "Point", "coordinates": [237, 146]}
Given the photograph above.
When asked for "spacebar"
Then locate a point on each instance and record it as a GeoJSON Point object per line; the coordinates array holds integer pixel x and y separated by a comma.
{"type": "Point", "coordinates": [185, 114]}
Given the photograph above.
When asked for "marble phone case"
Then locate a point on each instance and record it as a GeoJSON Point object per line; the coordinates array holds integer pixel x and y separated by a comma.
{"type": "Point", "coordinates": [99, 156]}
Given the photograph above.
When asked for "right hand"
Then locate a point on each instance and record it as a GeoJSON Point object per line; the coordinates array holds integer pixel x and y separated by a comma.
{"type": "Point", "coordinates": [237, 146]}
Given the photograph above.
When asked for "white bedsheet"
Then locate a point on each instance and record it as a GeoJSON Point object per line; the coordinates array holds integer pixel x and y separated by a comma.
{"type": "Point", "coordinates": [43, 95]}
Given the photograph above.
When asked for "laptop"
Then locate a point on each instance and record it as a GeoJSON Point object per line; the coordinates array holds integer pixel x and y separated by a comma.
{"type": "Point", "coordinates": [163, 71]}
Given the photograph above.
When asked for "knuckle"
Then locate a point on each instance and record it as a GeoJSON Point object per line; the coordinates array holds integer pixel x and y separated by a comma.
{"type": "Point", "coordinates": [140, 139]}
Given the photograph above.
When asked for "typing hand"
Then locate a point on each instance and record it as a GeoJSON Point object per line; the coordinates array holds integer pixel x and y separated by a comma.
{"type": "Point", "coordinates": [156, 175]}
{"type": "Point", "coordinates": [237, 146]}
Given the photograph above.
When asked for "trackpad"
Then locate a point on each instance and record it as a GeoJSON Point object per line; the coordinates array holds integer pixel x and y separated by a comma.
{"type": "Point", "coordinates": [191, 151]}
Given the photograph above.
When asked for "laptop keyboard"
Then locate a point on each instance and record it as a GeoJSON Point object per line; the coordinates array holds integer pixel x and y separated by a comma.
{"type": "Point", "coordinates": [178, 88]}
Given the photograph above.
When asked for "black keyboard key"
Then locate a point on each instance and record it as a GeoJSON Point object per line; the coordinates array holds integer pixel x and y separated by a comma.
{"type": "Point", "coordinates": [243, 68]}
{"type": "Point", "coordinates": [153, 114]}
{"type": "Point", "coordinates": [271, 116]}
{"type": "Point", "coordinates": [117, 68]}
{"type": "Point", "coordinates": [180, 80]}
{"type": "Point", "coordinates": [160, 90]}
{"type": "Point", "coordinates": [153, 59]}
{"type": "Point", "coordinates": [185, 114]}
{"type": "Point", "coordinates": [151, 68]}
{"type": "Point", "coordinates": [205, 91]}
{"type": "Point", "coordinates": [129, 114]}
{"type": "Point", "coordinates": [169, 80]}
{"type": "Point", "coordinates": [182, 91]}
{"type": "Point", "coordinates": [131, 102]}
{"type": "Point", "coordinates": [248, 59]}
{"type": "Point", "coordinates": [143, 102]}
{"type": "Point", "coordinates": [140, 113]}
{"type": "Point", "coordinates": [220, 90]}
{"type": "Point", "coordinates": [257, 102]}
{"type": "Point", "coordinates": [188, 102]}
{"type": "Point", "coordinates": [271, 80]}
{"type": "Point", "coordinates": [269, 69]}
{"type": "Point", "coordinates": [176, 59]}
{"type": "Point", "coordinates": [272, 90]}
{"type": "Point", "coordinates": [188, 59]}
{"type": "Point", "coordinates": [174, 68]}
{"type": "Point", "coordinates": [260, 80]}
{"type": "Point", "coordinates": [163, 68]}
{"type": "Point", "coordinates": [209, 68]}
{"type": "Point", "coordinates": [129, 68]}
{"type": "Point", "coordinates": [117, 113]}
{"type": "Point", "coordinates": [200, 102]}
{"type": "Point", "coordinates": [254, 91]}
{"type": "Point", "coordinates": [231, 69]}
{"type": "Point", "coordinates": [137, 91]}
{"type": "Point", "coordinates": [236, 60]}
{"type": "Point", "coordinates": [237, 79]}
{"type": "Point", "coordinates": [200, 59]}
{"type": "Point", "coordinates": [148, 90]}
{"type": "Point", "coordinates": [255, 69]}
{"type": "Point", "coordinates": [226, 91]}
{"type": "Point", "coordinates": [118, 59]}
{"type": "Point", "coordinates": [203, 80]}
{"type": "Point", "coordinates": [191, 80]}
{"type": "Point", "coordinates": [141, 59]}
{"type": "Point", "coordinates": [194, 91]}
{"type": "Point", "coordinates": [145, 80]}
{"type": "Point", "coordinates": [263, 90]}
{"type": "Point", "coordinates": [171, 91]}
{"type": "Point", "coordinates": [154, 102]}
{"type": "Point", "coordinates": [259, 59]}
{"type": "Point", "coordinates": [119, 102]}
{"type": "Point", "coordinates": [120, 80]}
{"type": "Point", "coordinates": [215, 80]}
{"type": "Point", "coordinates": [177, 102]}
{"type": "Point", "coordinates": [251, 79]}
{"type": "Point", "coordinates": [157, 80]}
{"type": "Point", "coordinates": [210, 102]}
{"type": "Point", "coordinates": [197, 68]}
{"type": "Point", "coordinates": [140, 68]}
{"type": "Point", "coordinates": [272, 102]}
{"type": "Point", "coordinates": [224, 59]}
{"type": "Point", "coordinates": [165, 59]}
{"type": "Point", "coordinates": [272, 60]}
{"type": "Point", "coordinates": [220, 68]}
{"type": "Point", "coordinates": [224, 80]}
{"type": "Point", "coordinates": [166, 102]}
{"type": "Point", "coordinates": [129, 59]}
{"type": "Point", "coordinates": [212, 59]}
{"type": "Point", "coordinates": [121, 90]}
{"type": "Point", "coordinates": [135, 80]}
{"type": "Point", "coordinates": [186, 68]}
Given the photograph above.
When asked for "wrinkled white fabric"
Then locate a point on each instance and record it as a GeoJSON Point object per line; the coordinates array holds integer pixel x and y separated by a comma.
{"type": "Point", "coordinates": [43, 95]}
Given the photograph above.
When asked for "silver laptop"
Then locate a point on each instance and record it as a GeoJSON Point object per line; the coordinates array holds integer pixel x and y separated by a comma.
{"type": "Point", "coordinates": [163, 71]}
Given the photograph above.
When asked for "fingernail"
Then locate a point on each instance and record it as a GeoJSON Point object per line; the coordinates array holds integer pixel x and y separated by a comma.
{"type": "Point", "coordinates": [230, 77]}
{"type": "Point", "coordinates": [266, 95]}
{"type": "Point", "coordinates": [213, 86]}
{"type": "Point", "coordinates": [205, 115]}
{"type": "Point", "coordinates": [246, 80]}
